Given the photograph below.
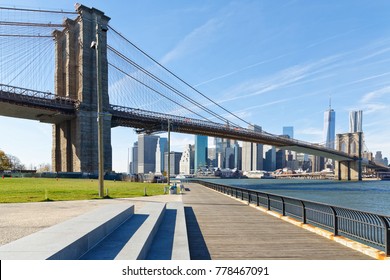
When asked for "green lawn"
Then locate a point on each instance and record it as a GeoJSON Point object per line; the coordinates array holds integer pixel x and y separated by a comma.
{"type": "Point", "coordinates": [48, 189]}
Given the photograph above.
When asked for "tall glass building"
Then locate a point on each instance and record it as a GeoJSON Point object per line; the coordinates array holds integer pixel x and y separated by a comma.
{"type": "Point", "coordinates": [288, 130]}
{"type": "Point", "coordinates": [201, 143]}
{"type": "Point", "coordinates": [356, 121]}
{"type": "Point", "coordinates": [330, 128]}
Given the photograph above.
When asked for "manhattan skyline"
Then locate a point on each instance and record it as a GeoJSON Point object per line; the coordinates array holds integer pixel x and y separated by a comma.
{"type": "Point", "coordinates": [274, 64]}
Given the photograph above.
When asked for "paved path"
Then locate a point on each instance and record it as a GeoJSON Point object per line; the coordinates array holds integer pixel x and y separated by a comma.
{"type": "Point", "coordinates": [220, 227]}
{"type": "Point", "coordinates": [20, 219]}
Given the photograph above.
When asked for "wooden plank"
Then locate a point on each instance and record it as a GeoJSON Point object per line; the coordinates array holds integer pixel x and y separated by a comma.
{"type": "Point", "coordinates": [233, 230]}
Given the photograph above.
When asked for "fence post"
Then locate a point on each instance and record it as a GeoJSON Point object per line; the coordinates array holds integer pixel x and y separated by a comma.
{"type": "Point", "coordinates": [335, 222]}
{"type": "Point", "coordinates": [257, 199]}
{"type": "Point", "coordinates": [386, 235]}
{"type": "Point", "coordinates": [283, 207]}
{"type": "Point", "coordinates": [303, 212]}
{"type": "Point", "coordinates": [268, 203]}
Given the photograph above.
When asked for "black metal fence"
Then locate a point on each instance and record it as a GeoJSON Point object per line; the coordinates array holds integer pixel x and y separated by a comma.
{"type": "Point", "coordinates": [368, 228]}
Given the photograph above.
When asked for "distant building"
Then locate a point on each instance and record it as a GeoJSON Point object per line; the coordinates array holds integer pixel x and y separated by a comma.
{"type": "Point", "coordinates": [378, 157]}
{"type": "Point", "coordinates": [270, 159]}
{"type": "Point", "coordinates": [187, 160]}
{"type": "Point", "coordinates": [134, 159]}
{"type": "Point", "coordinates": [162, 147]}
{"type": "Point", "coordinates": [252, 153]}
{"type": "Point", "coordinates": [212, 157]}
{"type": "Point", "coordinates": [288, 130]}
{"type": "Point", "coordinates": [318, 163]}
{"type": "Point", "coordinates": [356, 121]}
{"type": "Point", "coordinates": [201, 155]}
{"type": "Point", "coordinates": [330, 128]}
{"type": "Point", "coordinates": [229, 157]}
{"type": "Point", "coordinates": [174, 162]}
{"type": "Point", "coordinates": [237, 156]}
{"type": "Point", "coordinates": [147, 145]}
{"type": "Point", "coordinates": [280, 159]}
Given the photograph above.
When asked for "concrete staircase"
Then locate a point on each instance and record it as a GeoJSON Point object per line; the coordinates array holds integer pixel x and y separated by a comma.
{"type": "Point", "coordinates": [118, 231]}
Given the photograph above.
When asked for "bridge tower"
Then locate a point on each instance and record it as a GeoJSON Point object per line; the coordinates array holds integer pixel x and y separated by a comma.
{"type": "Point", "coordinates": [352, 144]}
{"type": "Point", "coordinates": [75, 145]}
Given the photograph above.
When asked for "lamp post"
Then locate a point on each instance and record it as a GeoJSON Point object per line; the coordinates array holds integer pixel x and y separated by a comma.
{"type": "Point", "coordinates": [169, 153]}
{"type": "Point", "coordinates": [100, 113]}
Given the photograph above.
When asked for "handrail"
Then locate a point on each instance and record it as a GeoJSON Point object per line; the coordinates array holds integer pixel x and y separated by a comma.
{"type": "Point", "coordinates": [18, 94]}
{"type": "Point", "coordinates": [365, 227]}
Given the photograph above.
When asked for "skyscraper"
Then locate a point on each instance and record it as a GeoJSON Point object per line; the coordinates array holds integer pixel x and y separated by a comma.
{"type": "Point", "coordinates": [161, 148]}
{"type": "Point", "coordinates": [174, 162]}
{"type": "Point", "coordinates": [147, 145]}
{"type": "Point", "coordinates": [200, 151]}
{"type": "Point", "coordinates": [329, 128]}
{"type": "Point", "coordinates": [134, 159]}
{"type": "Point", "coordinates": [187, 160]}
{"type": "Point", "coordinates": [252, 153]}
{"type": "Point", "coordinates": [270, 159]}
{"type": "Point", "coordinates": [356, 121]}
{"type": "Point", "coordinates": [288, 130]}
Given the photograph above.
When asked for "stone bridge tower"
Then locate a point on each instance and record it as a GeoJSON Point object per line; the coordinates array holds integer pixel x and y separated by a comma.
{"type": "Point", "coordinates": [352, 144]}
{"type": "Point", "coordinates": [75, 144]}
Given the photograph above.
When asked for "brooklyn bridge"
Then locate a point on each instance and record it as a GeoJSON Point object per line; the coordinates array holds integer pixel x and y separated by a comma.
{"type": "Point", "coordinates": [102, 80]}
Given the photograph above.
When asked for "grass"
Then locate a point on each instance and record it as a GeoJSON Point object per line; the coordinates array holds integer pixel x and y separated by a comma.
{"type": "Point", "coordinates": [48, 189]}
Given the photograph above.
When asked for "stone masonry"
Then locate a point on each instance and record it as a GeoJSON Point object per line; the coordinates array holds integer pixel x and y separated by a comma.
{"type": "Point", "coordinates": [75, 145]}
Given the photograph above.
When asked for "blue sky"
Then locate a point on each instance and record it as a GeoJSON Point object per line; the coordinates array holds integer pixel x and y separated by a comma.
{"type": "Point", "coordinates": [274, 63]}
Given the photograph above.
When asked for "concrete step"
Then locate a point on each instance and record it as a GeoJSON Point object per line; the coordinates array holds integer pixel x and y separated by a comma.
{"type": "Point", "coordinates": [132, 240]}
{"type": "Point", "coordinates": [171, 241]}
{"type": "Point", "coordinates": [71, 239]}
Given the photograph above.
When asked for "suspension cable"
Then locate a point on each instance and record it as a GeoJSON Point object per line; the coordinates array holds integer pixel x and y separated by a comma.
{"type": "Point", "coordinates": [156, 91]}
{"type": "Point", "coordinates": [37, 10]}
{"type": "Point", "coordinates": [165, 84]}
{"type": "Point", "coordinates": [155, 61]}
{"type": "Point", "coordinates": [30, 24]}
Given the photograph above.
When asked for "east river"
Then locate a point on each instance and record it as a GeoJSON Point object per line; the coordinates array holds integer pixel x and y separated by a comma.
{"type": "Point", "coordinates": [369, 196]}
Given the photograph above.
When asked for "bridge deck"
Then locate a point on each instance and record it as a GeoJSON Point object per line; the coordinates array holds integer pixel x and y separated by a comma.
{"type": "Point", "coordinates": [220, 227]}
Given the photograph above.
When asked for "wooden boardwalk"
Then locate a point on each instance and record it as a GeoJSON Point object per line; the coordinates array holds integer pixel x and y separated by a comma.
{"type": "Point", "coordinates": [222, 228]}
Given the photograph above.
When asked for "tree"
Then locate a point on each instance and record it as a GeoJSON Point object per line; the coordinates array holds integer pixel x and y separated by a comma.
{"type": "Point", "coordinates": [10, 162]}
{"type": "Point", "coordinates": [4, 161]}
{"type": "Point", "coordinates": [44, 167]}
{"type": "Point", "coordinates": [15, 163]}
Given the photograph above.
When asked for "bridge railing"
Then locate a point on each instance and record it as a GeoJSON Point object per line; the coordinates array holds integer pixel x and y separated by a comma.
{"type": "Point", "coordinates": [367, 228]}
{"type": "Point", "coordinates": [213, 126]}
{"type": "Point", "coordinates": [13, 93]}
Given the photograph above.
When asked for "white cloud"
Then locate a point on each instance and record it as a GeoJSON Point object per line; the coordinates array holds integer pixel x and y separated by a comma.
{"type": "Point", "coordinates": [195, 40]}
{"type": "Point", "coordinates": [240, 70]}
{"type": "Point", "coordinates": [282, 79]}
{"type": "Point", "coordinates": [375, 94]}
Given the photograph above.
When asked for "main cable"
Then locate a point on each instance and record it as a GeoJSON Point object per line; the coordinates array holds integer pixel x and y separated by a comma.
{"type": "Point", "coordinates": [177, 77]}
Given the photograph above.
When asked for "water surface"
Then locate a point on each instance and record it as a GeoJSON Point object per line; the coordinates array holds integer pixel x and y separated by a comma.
{"type": "Point", "coordinates": [369, 196]}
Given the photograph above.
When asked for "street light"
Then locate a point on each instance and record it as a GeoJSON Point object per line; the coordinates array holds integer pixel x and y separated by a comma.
{"type": "Point", "coordinates": [100, 114]}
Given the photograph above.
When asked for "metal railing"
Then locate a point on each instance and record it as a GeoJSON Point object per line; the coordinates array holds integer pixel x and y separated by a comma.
{"type": "Point", "coordinates": [364, 227]}
{"type": "Point", "coordinates": [17, 94]}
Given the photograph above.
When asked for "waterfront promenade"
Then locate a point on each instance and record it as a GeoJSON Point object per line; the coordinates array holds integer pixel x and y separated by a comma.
{"type": "Point", "coordinates": [228, 229]}
{"type": "Point", "coordinates": [219, 227]}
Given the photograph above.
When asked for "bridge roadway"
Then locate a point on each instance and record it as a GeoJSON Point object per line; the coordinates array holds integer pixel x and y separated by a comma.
{"type": "Point", "coordinates": [220, 227]}
{"type": "Point", "coordinates": [48, 108]}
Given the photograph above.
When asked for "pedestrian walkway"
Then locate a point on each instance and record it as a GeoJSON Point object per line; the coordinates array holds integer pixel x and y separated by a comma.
{"type": "Point", "coordinates": [220, 227]}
